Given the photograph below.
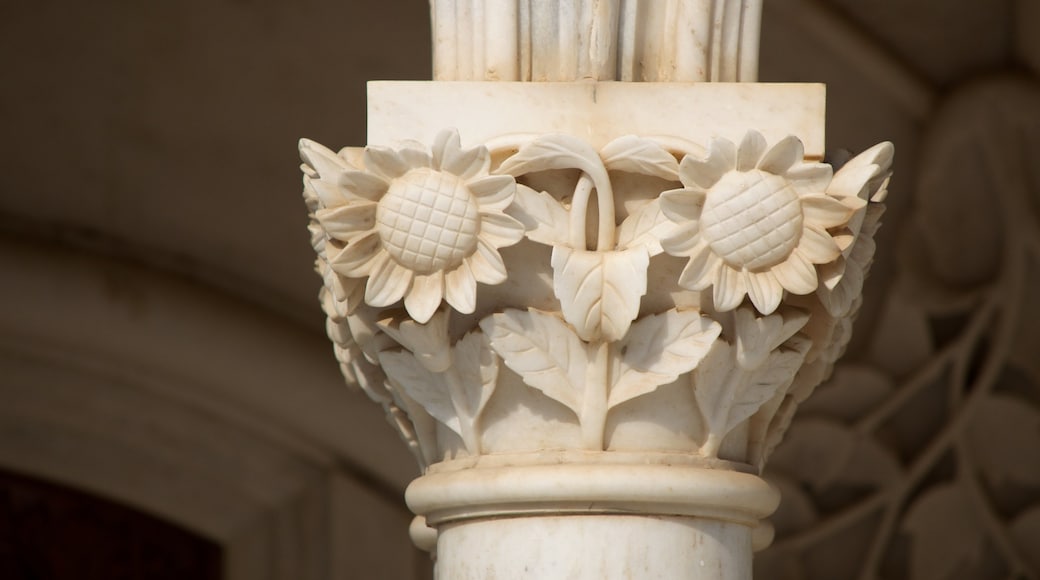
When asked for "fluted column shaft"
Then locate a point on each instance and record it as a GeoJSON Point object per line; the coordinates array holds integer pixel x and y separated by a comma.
{"type": "Point", "coordinates": [625, 40]}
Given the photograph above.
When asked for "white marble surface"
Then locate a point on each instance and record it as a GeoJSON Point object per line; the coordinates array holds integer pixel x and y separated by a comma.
{"type": "Point", "coordinates": [632, 40]}
{"type": "Point", "coordinates": [595, 547]}
{"type": "Point", "coordinates": [596, 111]}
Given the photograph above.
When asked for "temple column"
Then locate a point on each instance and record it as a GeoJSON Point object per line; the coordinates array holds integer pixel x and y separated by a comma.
{"type": "Point", "coordinates": [591, 308]}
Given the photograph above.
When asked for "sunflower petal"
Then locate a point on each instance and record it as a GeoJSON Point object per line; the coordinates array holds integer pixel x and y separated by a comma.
{"type": "Point", "coordinates": [353, 156]}
{"type": "Point", "coordinates": [385, 163]}
{"type": "Point", "coordinates": [681, 205]}
{"type": "Point", "coordinates": [414, 156]}
{"type": "Point", "coordinates": [500, 230]}
{"type": "Point", "coordinates": [357, 259]}
{"type": "Point", "coordinates": [844, 238]}
{"type": "Point", "coordinates": [701, 271]}
{"type": "Point", "coordinates": [447, 139]}
{"type": "Point", "coordinates": [750, 150]}
{"type": "Point", "coordinates": [363, 185]}
{"type": "Point", "coordinates": [831, 274]}
{"type": "Point", "coordinates": [839, 300]}
{"type": "Point", "coordinates": [465, 163]}
{"type": "Point", "coordinates": [494, 191]}
{"type": "Point", "coordinates": [460, 289]}
{"type": "Point", "coordinates": [328, 194]}
{"type": "Point", "coordinates": [355, 296]}
{"type": "Point", "coordinates": [323, 160]}
{"type": "Point", "coordinates": [796, 274]}
{"type": "Point", "coordinates": [683, 240]}
{"type": "Point", "coordinates": [487, 264]}
{"type": "Point", "coordinates": [852, 181]}
{"type": "Point", "coordinates": [729, 289]}
{"type": "Point", "coordinates": [825, 211]}
{"type": "Point", "coordinates": [851, 281]}
{"type": "Point", "coordinates": [764, 290]}
{"type": "Point", "coordinates": [783, 155]}
{"type": "Point", "coordinates": [425, 296]}
{"type": "Point", "coordinates": [346, 294]}
{"type": "Point", "coordinates": [337, 284]}
{"type": "Point", "coordinates": [347, 221]}
{"type": "Point", "coordinates": [810, 178]}
{"type": "Point", "coordinates": [388, 283]}
{"type": "Point", "coordinates": [817, 245]}
{"type": "Point", "coordinates": [722, 158]}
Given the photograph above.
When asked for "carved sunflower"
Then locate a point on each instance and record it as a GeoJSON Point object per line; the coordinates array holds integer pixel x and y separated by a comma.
{"type": "Point", "coordinates": [414, 224]}
{"type": "Point", "coordinates": [753, 222]}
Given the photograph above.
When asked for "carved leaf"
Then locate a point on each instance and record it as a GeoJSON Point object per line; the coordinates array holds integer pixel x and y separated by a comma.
{"type": "Point", "coordinates": [774, 376]}
{"type": "Point", "coordinates": [424, 387]}
{"type": "Point", "coordinates": [638, 155]}
{"type": "Point", "coordinates": [946, 536]}
{"type": "Point", "coordinates": [543, 217]}
{"type": "Point", "coordinates": [428, 342]}
{"type": "Point", "coordinates": [540, 348]}
{"type": "Point", "coordinates": [777, 429]}
{"type": "Point", "coordinates": [757, 337]}
{"type": "Point", "coordinates": [645, 227]}
{"type": "Point", "coordinates": [478, 369]}
{"type": "Point", "coordinates": [713, 386]}
{"type": "Point", "coordinates": [409, 417]}
{"type": "Point", "coordinates": [1003, 431]}
{"type": "Point", "coordinates": [727, 395]}
{"type": "Point", "coordinates": [555, 151]}
{"type": "Point", "coordinates": [599, 291]}
{"type": "Point", "coordinates": [658, 349]}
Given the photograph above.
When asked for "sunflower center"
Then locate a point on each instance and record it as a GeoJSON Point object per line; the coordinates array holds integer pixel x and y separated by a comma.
{"type": "Point", "coordinates": [428, 220]}
{"type": "Point", "coordinates": [752, 219]}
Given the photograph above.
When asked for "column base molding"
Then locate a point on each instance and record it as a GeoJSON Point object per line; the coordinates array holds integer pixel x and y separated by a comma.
{"type": "Point", "coordinates": [444, 496]}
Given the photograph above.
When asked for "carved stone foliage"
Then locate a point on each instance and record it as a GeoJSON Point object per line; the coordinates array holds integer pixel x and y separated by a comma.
{"type": "Point", "coordinates": [652, 295]}
{"type": "Point", "coordinates": [920, 460]}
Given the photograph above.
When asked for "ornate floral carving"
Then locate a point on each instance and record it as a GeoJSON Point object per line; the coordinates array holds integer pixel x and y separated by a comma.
{"type": "Point", "coordinates": [754, 221]}
{"type": "Point", "coordinates": [599, 290]}
{"type": "Point", "coordinates": [591, 378]}
{"type": "Point", "coordinates": [452, 383]}
{"type": "Point", "coordinates": [400, 231]}
{"type": "Point", "coordinates": [423, 225]}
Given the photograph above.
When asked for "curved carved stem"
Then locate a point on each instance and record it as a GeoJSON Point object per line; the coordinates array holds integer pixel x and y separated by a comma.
{"type": "Point", "coordinates": [737, 383]}
{"type": "Point", "coordinates": [467, 420]}
{"type": "Point", "coordinates": [606, 228]}
{"type": "Point", "coordinates": [605, 202]}
{"type": "Point", "coordinates": [579, 211]}
{"type": "Point", "coordinates": [594, 403]}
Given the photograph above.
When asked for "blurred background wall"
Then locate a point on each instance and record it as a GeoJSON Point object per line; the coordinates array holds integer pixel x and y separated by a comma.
{"type": "Point", "coordinates": [169, 406]}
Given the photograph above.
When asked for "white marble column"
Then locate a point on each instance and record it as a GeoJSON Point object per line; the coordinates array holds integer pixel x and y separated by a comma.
{"type": "Point", "coordinates": [591, 308]}
{"type": "Point", "coordinates": [626, 40]}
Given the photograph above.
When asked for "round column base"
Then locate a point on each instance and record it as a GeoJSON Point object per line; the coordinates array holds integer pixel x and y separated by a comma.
{"type": "Point", "coordinates": [592, 520]}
